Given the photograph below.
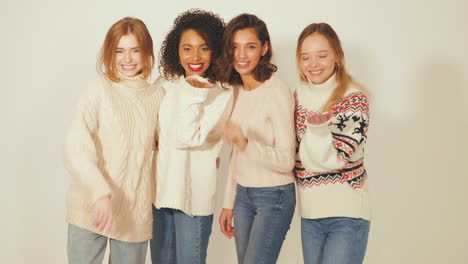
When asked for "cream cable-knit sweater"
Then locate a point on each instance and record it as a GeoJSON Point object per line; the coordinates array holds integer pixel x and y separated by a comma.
{"type": "Point", "coordinates": [190, 139]}
{"type": "Point", "coordinates": [331, 176]}
{"type": "Point", "coordinates": [266, 117]}
{"type": "Point", "coordinates": [109, 150]}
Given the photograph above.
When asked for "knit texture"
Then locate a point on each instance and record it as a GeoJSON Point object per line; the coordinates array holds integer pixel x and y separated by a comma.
{"type": "Point", "coordinates": [266, 117]}
{"type": "Point", "coordinates": [330, 171]}
{"type": "Point", "coordinates": [109, 150]}
{"type": "Point", "coordinates": [191, 128]}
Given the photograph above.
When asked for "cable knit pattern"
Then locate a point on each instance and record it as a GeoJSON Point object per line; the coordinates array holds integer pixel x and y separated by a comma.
{"type": "Point", "coordinates": [191, 128]}
{"type": "Point", "coordinates": [266, 117]}
{"type": "Point", "coordinates": [109, 150]}
{"type": "Point", "coordinates": [330, 168]}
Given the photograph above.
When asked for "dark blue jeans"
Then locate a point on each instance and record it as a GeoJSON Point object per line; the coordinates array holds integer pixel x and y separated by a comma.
{"type": "Point", "coordinates": [179, 238]}
{"type": "Point", "coordinates": [334, 240]}
{"type": "Point", "coordinates": [262, 217]}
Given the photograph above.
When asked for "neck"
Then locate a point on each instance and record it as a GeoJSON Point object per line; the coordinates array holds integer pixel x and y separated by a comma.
{"type": "Point", "coordinates": [249, 83]}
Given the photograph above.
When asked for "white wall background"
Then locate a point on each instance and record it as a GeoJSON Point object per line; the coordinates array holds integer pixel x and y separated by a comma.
{"type": "Point", "coordinates": [410, 54]}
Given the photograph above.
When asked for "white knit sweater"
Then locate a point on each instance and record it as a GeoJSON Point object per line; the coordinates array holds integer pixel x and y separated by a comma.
{"type": "Point", "coordinates": [109, 150]}
{"type": "Point", "coordinates": [330, 172]}
{"type": "Point", "coordinates": [190, 139]}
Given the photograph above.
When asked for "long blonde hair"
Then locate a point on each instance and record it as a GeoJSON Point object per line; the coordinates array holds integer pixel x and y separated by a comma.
{"type": "Point", "coordinates": [343, 79]}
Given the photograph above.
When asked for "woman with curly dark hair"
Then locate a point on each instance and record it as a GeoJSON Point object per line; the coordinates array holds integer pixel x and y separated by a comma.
{"type": "Point", "coordinates": [192, 118]}
{"type": "Point", "coordinates": [260, 192]}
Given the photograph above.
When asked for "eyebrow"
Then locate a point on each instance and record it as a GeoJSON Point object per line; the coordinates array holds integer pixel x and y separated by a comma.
{"type": "Point", "coordinates": [248, 43]}
{"type": "Point", "coordinates": [320, 51]}
{"type": "Point", "coordinates": [190, 45]}
{"type": "Point", "coordinates": [130, 48]}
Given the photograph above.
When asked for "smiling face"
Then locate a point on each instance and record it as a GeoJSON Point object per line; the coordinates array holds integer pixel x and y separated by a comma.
{"type": "Point", "coordinates": [128, 60]}
{"type": "Point", "coordinates": [248, 50]}
{"type": "Point", "coordinates": [194, 53]}
{"type": "Point", "coordinates": [317, 59]}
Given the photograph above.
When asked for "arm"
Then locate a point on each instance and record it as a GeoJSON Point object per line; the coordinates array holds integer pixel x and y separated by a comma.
{"type": "Point", "coordinates": [199, 114]}
{"type": "Point", "coordinates": [80, 153]}
{"type": "Point", "coordinates": [325, 150]}
{"type": "Point", "coordinates": [231, 183]}
{"type": "Point", "coordinates": [280, 157]}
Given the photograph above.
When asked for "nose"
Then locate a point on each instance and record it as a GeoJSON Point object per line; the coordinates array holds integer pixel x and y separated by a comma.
{"type": "Point", "coordinates": [313, 63]}
{"type": "Point", "coordinates": [127, 57]}
{"type": "Point", "coordinates": [240, 53]}
{"type": "Point", "coordinates": [196, 55]}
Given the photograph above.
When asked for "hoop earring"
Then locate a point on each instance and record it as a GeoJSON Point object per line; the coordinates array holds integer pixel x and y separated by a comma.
{"type": "Point", "coordinates": [337, 67]}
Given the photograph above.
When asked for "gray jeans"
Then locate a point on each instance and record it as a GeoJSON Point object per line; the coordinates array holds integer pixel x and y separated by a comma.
{"type": "Point", "coordinates": [86, 247]}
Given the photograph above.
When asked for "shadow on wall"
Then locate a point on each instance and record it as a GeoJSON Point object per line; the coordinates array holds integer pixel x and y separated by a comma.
{"type": "Point", "coordinates": [417, 177]}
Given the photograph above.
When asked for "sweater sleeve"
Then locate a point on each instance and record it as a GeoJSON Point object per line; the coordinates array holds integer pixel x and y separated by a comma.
{"type": "Point", "coordinates": [80, 150]}
{"type": "Point", "coordinates": [231, 184]}
{"type": "Point", "coordinates": [279, 157]}
{"type": "Point", "coordinates": [200, 111]}
{"type": "Point", "coordinates": [330, 147]}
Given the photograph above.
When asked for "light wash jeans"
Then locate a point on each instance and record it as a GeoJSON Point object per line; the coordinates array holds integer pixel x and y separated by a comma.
{"type": "Point", "coordinates": [179, 238]}
{"type": "Point", "coordinates": [262, 217]}
{"type": "Point", "coordinates": [334, 240]}
{"type": "Point", "coordinates": [86, 247]}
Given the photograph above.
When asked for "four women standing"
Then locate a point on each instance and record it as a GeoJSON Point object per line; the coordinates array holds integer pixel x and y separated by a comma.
{"type": "Point", "coordinates": [206, 70]}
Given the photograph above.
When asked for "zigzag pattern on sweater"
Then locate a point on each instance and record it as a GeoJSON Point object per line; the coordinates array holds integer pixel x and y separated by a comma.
{"type": "Point", "coordinates": [354, 174]}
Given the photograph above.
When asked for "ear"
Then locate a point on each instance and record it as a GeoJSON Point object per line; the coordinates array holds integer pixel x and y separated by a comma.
{"type": "Point", "coordinates": [265, 48]}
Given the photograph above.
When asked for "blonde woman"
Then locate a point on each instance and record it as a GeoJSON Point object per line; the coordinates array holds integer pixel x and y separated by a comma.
{"type": "Point", "coordinates": [332, 119]}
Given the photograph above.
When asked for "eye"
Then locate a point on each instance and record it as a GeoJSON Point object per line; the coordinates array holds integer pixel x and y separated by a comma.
{"type": "Point", "coordinates": [205, 49]}
{"type": "Point", "coordinates": [186, 49]}
{"type": "Point", "coordinates": [118, 51]}
{"type": "Point", "coordinates": [304, 58]}
{"type": "Point", "coordinates": [136, 51]}
{"type": "Point", "coordinates": [252, 47]}
{"type": "Point", "coordinates": [322, 56]}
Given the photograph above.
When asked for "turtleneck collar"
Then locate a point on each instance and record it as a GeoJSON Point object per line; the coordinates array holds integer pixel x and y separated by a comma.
{"type": "Point", "coordinates": [135, 82]}
{"type": "Point", "coordinates": [314, 96]}
{"type": "Point", "coordinates": [329, 84]}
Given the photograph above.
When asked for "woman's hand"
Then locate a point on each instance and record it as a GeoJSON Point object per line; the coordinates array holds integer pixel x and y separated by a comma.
{"type": "Point", "coordinates": [225, 222]}
{"type": "Point", "coordinates": [316, 118]}
{"type": "Point", "coordinates": [102, 213]}
{"type": "Point", "coordinates": [198, 82]}
{"type": "Point", "coordinates": [233, 135]}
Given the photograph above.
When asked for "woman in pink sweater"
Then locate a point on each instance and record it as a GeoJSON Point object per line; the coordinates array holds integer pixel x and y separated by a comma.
{"type": "Point", "coordinates": [260, 192]}
{"type": "Point", "coordinates": [109, 149]}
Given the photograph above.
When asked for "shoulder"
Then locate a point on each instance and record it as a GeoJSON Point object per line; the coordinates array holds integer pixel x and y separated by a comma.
{"type": "Point", "coordinates": [355, 99]}
{"type": "Point", "coordinates": [280, 85]}
{"type": "Point", "coordinates": [166, 84]}
{"type": "Point", "coordinates": [279, 90]}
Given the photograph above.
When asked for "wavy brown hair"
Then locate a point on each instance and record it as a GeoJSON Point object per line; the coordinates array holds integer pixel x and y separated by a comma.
{"type": "Point", "coordinates": [343, 79]}
{"type": "Point", "coordinates": [123, 27]}
{"type": "Point", "coordinates": [264, 69]}
{"type": "Point", "coordinates": [208, 25]}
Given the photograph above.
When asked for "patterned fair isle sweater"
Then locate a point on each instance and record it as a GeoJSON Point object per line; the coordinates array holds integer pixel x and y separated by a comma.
{"type": "Point", "coordinates": [329, 170]}
{"type": "Point", "coordinates": [190, 139]}
{"type": "Point", "coordinates": [109, 150]}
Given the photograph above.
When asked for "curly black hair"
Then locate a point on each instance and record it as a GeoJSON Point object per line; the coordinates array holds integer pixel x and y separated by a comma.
{"type": "Point", "coordinates": [210, 27]}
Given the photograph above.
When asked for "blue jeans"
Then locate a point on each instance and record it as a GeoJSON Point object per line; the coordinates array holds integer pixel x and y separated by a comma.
{"type": "Point", "coordinates": [262, 217]}
{"type": "Point", "coordinates": [179, 238]}
{"type": "Point", "coordinates": [86, 247]}
{"type": "Point", "coordinates": [334, 240]}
